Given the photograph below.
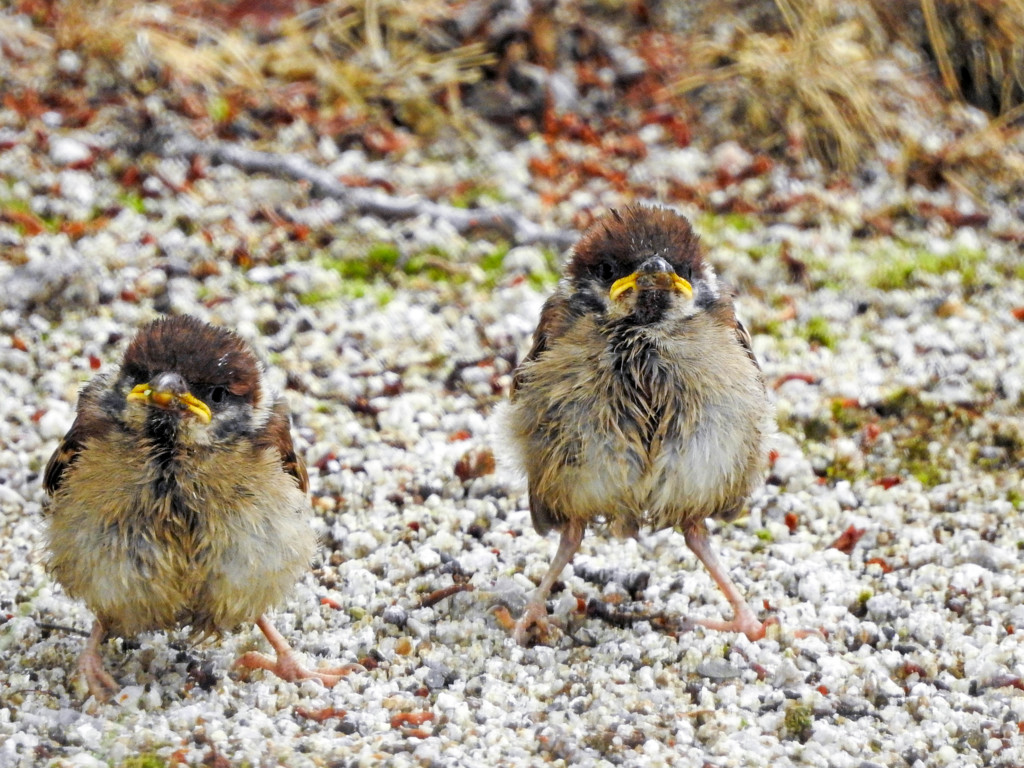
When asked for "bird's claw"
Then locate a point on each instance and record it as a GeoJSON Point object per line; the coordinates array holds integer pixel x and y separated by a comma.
{"type": "Point", "coordinates": [746, 624]}
{"type": "Point", "coordinates": [535, 615]}
{"type": "Point", "coordinates": [288, 667]}
{"type": "Point", "coordinates": [101, 684]}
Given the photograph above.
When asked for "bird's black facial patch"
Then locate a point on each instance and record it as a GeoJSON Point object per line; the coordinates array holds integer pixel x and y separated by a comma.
{"type": "Point", "coordinates": [703, 295]}
{"type": "Point", "coordinates": [584, 303]}
{"type": "Point", "coordinates": [112, 399]}
{"type": "Point", "coordinates": [233, 421]}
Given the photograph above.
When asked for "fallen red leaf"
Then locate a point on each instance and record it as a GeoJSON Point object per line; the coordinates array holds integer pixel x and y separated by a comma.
{"type": "Point", "coordinates": [504, 618]}
{"type": "Point", "coordinates": [1007, 681]}
{"type": "Point", "coordinates": [807, 378]}
{"type": "Point", "coordinates": [319, 715]}
{"type": "Point", "coordinates": [25, 102]}
{"type": "Point", "coordinates": [870, 433]}
{"type": "Point", "coordinates": [131, 176]}
{"type": "Point", "coordinates": [474, 463]}
{"type": "Point", "coordinates": [847, 540]}
{"type": "Point", "coordinates": [1018, 313]}
{"type": "Point", "coordinates": [629, 147]}
{"type": "Point", "coordinates": [31, 223]}
{"type": "Point", "coordinates": [889, 481]}
{"type": "Point", "coordinates": [411, 718]}
{"type": "Point", "coordinates": [881, 563]}
{"type": "Point", "coordinates": [910, 668]}
{"type": "Point", "coordinates": [546, 168]}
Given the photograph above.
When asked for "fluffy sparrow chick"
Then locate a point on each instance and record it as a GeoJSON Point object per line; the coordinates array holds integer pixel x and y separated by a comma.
{"type": "Point", "coordinates": [640, 402]}
{"type": "Point", "coordinates": [178, 499]}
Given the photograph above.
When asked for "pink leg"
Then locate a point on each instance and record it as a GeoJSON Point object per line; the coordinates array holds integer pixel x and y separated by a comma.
{"type": "Point", "coordinates": [744, 619]}
{"type": "Point", "coordinates": [286, 665]}
{"type": "Point", "coordinates": [536, 612]}
{"type": "Point", "coordinates": [101, 685]}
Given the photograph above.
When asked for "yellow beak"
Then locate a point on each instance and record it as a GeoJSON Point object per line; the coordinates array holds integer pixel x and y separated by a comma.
{"type": "Point", "coordinates": [144, 393]}
{"type": "Point", "coordinates": [662, 280]}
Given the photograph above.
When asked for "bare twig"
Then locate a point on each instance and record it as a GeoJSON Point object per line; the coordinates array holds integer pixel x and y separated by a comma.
{"type": "Point", "coordinates": [438, 595]}
{"type": "Point", "coordinates": [61, 628]}
{"type": "Point", "coordinates": [505, 219]}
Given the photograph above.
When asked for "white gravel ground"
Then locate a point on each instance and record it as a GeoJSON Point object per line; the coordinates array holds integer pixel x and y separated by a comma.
{"type": "Point", "coordinates": [911, 658]}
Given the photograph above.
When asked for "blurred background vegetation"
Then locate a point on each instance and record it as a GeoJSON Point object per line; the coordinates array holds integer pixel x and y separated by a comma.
{"type": "Point", "coordinates": [928, 91]}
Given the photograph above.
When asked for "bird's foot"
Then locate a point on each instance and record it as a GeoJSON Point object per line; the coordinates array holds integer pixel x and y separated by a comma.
{"type": "Point", "coordinates": [287, 666]}
{"type": "Point", "coordinates": [101, 685]}
{"type": "Point", "coordinates": [535, 615]}
{"type": "Point", "coordinates": [746, 623]}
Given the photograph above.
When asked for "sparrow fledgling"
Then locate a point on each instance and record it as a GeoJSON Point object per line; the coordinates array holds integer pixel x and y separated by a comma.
{"type": "Point", "coordinates": [178, 499]}
{"type": "Point", "coordinates": [640, 402]}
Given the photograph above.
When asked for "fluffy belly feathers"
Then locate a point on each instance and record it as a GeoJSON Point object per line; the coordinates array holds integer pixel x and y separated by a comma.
{"type": "Point", "coordinates": [146, 560]}
{"type": "Point", "coordinates": [597, 455]}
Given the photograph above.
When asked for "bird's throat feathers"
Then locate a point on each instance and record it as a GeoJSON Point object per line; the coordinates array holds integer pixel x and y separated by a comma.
{"type": "Point", "coordinates": [638, 365]}
{"type": "Point", "coordinates": [162, 432]}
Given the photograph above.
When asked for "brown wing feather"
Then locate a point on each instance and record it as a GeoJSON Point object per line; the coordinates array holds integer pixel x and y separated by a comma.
{"type": "Point", "coordinates": [90, 423]}
{"type": "Point", "coordinates": [67, 451]}
{"type": "Point", "coordinates": [724, 312]}
{"type": "Point", "coordinates": [744, 336]}
{"type": "Point", "coordinates": [543, 517]}
{"type": "Point", "coordinates": [278, 435]}
{"type": "Point", "coordinates": [554, 320]}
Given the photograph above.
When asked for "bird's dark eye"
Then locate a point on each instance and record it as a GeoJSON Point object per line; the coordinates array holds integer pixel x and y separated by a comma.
{"type": "Point", "coordinates": [217, 394]}
{"type": "Point", "coordinates": [604, 272]}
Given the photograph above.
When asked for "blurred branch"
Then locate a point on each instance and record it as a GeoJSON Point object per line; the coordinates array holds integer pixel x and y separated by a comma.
{"type": "Point", "coordinates": [504, 219]}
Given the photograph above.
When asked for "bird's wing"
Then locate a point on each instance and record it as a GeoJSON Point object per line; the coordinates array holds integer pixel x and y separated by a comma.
{"type": "Point", "coordinates": [90, 422]}
{"type": "Point", "coordinates": [555, 318]}
{"type": "Point", "coordinates": [744, 336]}
{"type": "Point", "coordinates": [722, 309]}
{"type": "Point", "coordinates": [278, 435]}
{"type": "Point", "coordinates": [67, 451]}
{"type": "Point", "coordinates": [543, 517]}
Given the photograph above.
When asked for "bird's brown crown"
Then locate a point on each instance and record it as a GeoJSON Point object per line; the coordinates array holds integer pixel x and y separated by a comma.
{"type": "Point", "coordinates": [618, 243]}
{"type": "Point", "coordinates": [205, 356]}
